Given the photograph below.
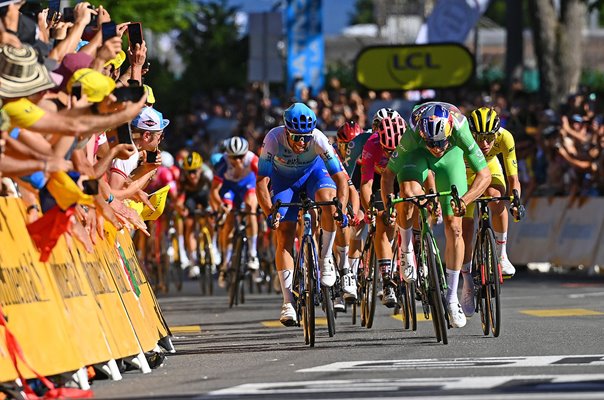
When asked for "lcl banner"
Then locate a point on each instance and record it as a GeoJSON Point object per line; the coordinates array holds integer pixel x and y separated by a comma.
{"type": "Point", "coordinates": [305, 45]}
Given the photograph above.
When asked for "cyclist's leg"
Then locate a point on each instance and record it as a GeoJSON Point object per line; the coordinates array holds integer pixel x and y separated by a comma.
{"type": "Point", "coordinates": [468, 228]}
{"type": "Point", "coordinates": [247, 194]}
{"type": "Point", "coordinates": [320, 187]}
{"type": "Point", "coordinates": [448, 173]}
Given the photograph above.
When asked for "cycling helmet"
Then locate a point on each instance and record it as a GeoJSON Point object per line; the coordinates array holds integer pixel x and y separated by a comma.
{"type": "Point", "coordinates": [390, 131]}
{"type": "Point", "coordinates": [484, 121]}
{"type": "Point", "coordinates": [348, 131]}
{"type": "Point", "coordinates": [299, 118]}
{"type": "Point", "coordinates": [436, 125]}
{"type": "Point", "coordinates": [167, 160]}
{"type": "Point", "coordinates": [192, 162]}
{"type": "Point", "coordinates": [236, 146]}
{"type": "Point", "coordinates": [381, 114]}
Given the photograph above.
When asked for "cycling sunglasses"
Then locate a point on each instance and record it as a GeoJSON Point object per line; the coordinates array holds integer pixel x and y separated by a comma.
{"type": "Point", "coordinates": [489, 137]}
{"type": "Point", "coordinates": [300, 137]}
{"type": "Point", "coordinates": [437, 144]}
{"type": "Point", "coordinates": [237, 157]}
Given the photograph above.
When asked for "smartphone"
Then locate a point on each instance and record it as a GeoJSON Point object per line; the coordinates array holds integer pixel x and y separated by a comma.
{"type": "Point", "coordinates": [91, 186]}
{"type": "Point", "coordinates": [129, 93]}
{"type": "Point", "coordinates": [68, 15]}
{"type": "Point", "coordinates": [124, 134]}
{"type": "Point", "coordinates": [109, 30]}
{"type": "Point", "coordinates": [151, 157]}
{"type": "Point", "coordinates": [76, 90]}
{"type": "Point", "coordinates": [54, 5]}
{"type": "Point", "coordinates": [135, 33]}
{"type": "Point", "coordinates": [52, 17]}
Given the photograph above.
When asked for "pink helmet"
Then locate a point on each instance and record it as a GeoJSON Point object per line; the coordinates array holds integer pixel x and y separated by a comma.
{"type": "Point", "coordinates": [390, 131]}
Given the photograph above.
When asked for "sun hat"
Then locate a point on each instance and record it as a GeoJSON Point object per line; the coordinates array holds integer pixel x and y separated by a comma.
{"type": "Point", "coordinates": [95, 85]}
{"type": "Point", "coordinates": [117, 61]}
{"type": "Point", "coordinates": [150, 119]}
{"type": "Point", "coordinates": [20, 73]}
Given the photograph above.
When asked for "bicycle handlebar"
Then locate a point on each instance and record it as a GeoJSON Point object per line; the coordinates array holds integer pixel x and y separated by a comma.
{"type": "Point", "coordinates": [307, 204]}
{"type": "Point", "coordinates": [514, 200]}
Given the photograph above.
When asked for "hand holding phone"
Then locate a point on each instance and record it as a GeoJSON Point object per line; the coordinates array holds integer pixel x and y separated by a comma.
{"type": "Point", "coordinates": [124, 134]}
{"type": "Point", "coordinates": [151, 157]}
{"type": "Point", "coordinates": [109, 30]}
{"type": "Point", "coordinates": [135, 34]}
{"type": "Point", "coordinates": [91, 186]}
{"type": "Point", "coordinates": [76, 90]}
{"type": "Point", "coordinates": [68, 14]}
{"type": "Point", "coordinates": [129, 93]}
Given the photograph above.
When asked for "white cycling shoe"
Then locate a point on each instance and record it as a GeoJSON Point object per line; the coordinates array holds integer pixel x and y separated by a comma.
{"type": "Point", "coordinates": [457, 318]}
{"type": "Point", "coordinates": [408, 267]}
{"type": "Point", "coordinates": [507, 269]}
{"type": "Point", "coordinates": [349, 286]}
{"type": "Point", "coordinates": [253, 263]}
{"type": "Point", "coordinates": [288, 315]}
{"type": "Point", "coordinates": [328, 271]}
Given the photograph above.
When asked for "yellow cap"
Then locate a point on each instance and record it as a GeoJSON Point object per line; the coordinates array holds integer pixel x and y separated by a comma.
{"type": "Point", "coordinates": [118, 60]}
{"type": "Point", "coordinates": [150, 95]}
{"type": "Point", "coordinates": [95, 85]}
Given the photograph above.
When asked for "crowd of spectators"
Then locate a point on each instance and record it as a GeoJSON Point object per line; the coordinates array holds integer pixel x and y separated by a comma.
{"type": "Point", "coordinates": [560, 152]}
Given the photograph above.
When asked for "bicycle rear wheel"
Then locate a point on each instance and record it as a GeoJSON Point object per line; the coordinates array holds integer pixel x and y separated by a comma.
{"type": "Point", "coordinates": [436, 296]}
{"type": "Point", "coordinates": [370, 292]}
{"type": "Point", "coordinates": [492, 287]}
{"type": "Point", "coordinates": [308, 306]}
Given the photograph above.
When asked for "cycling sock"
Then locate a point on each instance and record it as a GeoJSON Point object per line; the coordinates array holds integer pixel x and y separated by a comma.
{"type": "Point", "coordinates": [182, 250]}
{"type": "Point", "coordinates": [228, 254]}
{"type": "Point", "coordinates": [327, 240]}
{"type": "Point", "coordinates": [354, 265]}
{"type": "Point", "coordinates": [252, 249]}
{"type": "Point", "coordinates": [501, 239]}
{"type": "Point", "coordinates": [466, 273]}
{"type": "Point", "coordinates": [407, 240]}
{"type": "Point", "coordinates": [452, 283]}
{"type": "Point", "coordinates": [285, 278]}
{"type": "Point", "coordinates": [385, 266]}
{"type": "Point", "coordinates": [343, 254]}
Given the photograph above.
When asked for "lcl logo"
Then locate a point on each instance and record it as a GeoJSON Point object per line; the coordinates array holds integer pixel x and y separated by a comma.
{"type": "Point", "coordinates": [413, 61]}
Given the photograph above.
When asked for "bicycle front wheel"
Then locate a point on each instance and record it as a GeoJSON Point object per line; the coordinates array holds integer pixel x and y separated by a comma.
{"type": "Point", "coordinates": [409, 307]}
{"type": "Point", "coordinates": [492, 286]}
{"type": "Point", "coordinates": [436, 296]}
{"type": "Point", "coordinates": [327, 301]}
{"type": "Point", "coordinates": [482, 303]}
{"type": "Point", "coordinates": [234, 272]}
{"type": "Point", "coordinates": [308, 307]}
{"type": "Point", "coordinates": [370, 292]}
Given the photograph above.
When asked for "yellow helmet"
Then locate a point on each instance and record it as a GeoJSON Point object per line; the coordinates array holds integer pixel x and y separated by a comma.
{"type": "Point", "coordinates": [192, 162]}
{"type": "Point", "coordinates": [484, 121]}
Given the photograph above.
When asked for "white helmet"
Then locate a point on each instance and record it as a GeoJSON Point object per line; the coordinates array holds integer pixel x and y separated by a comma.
{"type": "Point", "coordinates": [236, 146]}
{"type": "Point", "coordinates": [167, 160]}
{"type": "Point", "coordinates": [381, 114]}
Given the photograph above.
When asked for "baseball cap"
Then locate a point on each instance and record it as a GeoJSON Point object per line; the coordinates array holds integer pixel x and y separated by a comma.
{"type": "Point", "coordinates": [70, 64]}
{"type": "Point", "coordinates": [118, 60]}
{"type": "Point", "coordinates": [95, 85]}
{"type": "Point", "coordinates": [577, 118]}
{"type": "Point", "coordinates": [150, 119]}
{"type": "Point", "coordinates": [150, 95]}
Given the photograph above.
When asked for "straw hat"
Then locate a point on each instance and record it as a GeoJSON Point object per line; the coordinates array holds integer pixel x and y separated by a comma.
{"type": "Point", "coordinates": [20, 73]}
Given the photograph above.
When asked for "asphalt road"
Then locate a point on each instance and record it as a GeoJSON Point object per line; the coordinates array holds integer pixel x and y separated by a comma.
{"type": "Point", "coordinates": [551, 347]}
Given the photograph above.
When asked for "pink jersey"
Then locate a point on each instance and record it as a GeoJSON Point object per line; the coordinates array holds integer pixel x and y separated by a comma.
{"type": "Point", "coordinates": [163, 177]}
{"type": "Point", "coordinates": [374, 159]}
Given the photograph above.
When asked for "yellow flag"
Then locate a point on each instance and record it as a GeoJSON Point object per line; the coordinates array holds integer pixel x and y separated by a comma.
{"type": "Point", "coordinates": [66, 192]}
{"type": "Point", "coordinates": [158, 200]}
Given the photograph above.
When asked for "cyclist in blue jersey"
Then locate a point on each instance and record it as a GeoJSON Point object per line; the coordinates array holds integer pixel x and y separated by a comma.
{"type": "Point", "coordinates": [297, 157]}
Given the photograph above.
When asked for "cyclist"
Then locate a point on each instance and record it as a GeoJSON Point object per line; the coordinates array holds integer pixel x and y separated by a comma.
{"type": "Point", "coordinates": [195, 185]}
{"type": "Point", "coordinates": [234, 183]}
{"type": "Point", "coordinates": [388, 129]}
{"type": "Point", "coordinates": [297, 157]}
{"type": "Point", "coordinates": [437, 140]}
{"type": "Point", "coordinates": [350, 139]}
{"type": "Point", "coordinates": [492, 140]}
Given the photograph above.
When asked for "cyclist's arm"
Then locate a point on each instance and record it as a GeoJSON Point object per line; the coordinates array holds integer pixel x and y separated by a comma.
{"type": "Point", "coordinates": [265, 169]}
{"type": "Point", "coordinates": [263, 194]}
{"type": "Point", "coordinates": [386, 184]}
{"type": "Point", "coordinates": [478, 187]}
{"type": "Point", "coordinates": [476, 160]}
{"type": "Point", "coordinates": [341, 179]}
{"type": "Point", "coordinates": [215, 200]}
{"type": "Point", "coordinates": [508, 151]}
{"type": "Point", "coordinates": [333, 166]}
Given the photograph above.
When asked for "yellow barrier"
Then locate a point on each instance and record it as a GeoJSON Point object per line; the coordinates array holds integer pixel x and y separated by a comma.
{"type": "Point", "coordinates": [78, 308]}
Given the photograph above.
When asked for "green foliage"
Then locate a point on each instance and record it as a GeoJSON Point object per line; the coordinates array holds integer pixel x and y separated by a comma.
{"type": "Point", "coordinates": [215, 55]}
{"type": "Point", "coordinates": [157, 15]}
{"type": "Point", "coordinates": [364, 13]}
{"type": "Point", "coordinates": [594, 79]}
{"type": "Point", "coordinates": [344, 72]}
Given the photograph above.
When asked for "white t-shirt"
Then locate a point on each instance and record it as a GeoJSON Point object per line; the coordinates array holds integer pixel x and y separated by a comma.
{"type": "Point", "coordinates": [125, 167]}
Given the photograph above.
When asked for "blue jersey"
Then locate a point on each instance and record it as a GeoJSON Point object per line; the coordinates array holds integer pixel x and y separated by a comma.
{"type": "Point", "coordinates": [354, 150]}
{"type": "Point", "coordinates": [277, 157]}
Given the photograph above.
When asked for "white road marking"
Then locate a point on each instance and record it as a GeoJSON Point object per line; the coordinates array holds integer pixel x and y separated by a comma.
{"type": "Point", "coordinates": [582, 295]}
{"type": "Point", "coordinates": [484, 362]}
{"type": "Point", "coordinates": [541, 383]}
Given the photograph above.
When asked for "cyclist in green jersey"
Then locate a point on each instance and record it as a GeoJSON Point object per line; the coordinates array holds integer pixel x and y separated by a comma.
{"type": "Point", "coordinates": [437, 139]}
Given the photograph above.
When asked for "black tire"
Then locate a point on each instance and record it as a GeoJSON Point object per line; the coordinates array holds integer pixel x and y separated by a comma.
{"type": "Point", "coordinates": [371, 283]}
{"type": "Point", "coordinates": [436, 296]}
{"type": "Point", "coordinates": [242, 270]}
{"type": "Point", "coordinates": [308, 307]}
{"type": "Point", "coordinates": [481, 296]}
{"type": "Point", "coordinates": [330, 313]}
{"type": "Point", "coordinates": [233, 273]}
{"type": "Point", "coordinates": [409, 311]}
{"type": "Point", "coordinates": [493, 284]}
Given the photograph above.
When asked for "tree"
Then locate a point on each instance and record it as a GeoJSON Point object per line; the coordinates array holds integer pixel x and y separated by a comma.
{"type": "Point", "coordinates": [156, 15]}
{"type": "Point", "coordinates": [215, 55]}
{"type": "Point", "coordinates": [364, 13]}
{"type": "Point", "coordinates": [558, 44]}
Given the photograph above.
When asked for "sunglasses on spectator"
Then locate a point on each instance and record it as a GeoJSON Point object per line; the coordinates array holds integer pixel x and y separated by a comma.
{"type": "Point", "coordinates": [300, 137]}
{"type": "Point", "coordinates": [437, 144]}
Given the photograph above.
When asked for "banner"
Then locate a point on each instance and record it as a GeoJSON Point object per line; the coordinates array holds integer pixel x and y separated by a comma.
{"type": "Point", "coordinates": [305, 45]}
{"type": "Point", "coordinates": [451, 21]}
{"type": "Point", "coordinates": [414, 67]}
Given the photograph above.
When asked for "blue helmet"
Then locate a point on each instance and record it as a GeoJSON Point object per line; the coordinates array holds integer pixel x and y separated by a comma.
{"type": "Point", "coordinates": [299, 118]}
{"type": "Point", "coordinates": [436, 124]}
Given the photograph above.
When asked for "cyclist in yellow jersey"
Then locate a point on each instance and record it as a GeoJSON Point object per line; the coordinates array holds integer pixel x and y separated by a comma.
{"type": "Point", "coordinates": [492, 140]}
